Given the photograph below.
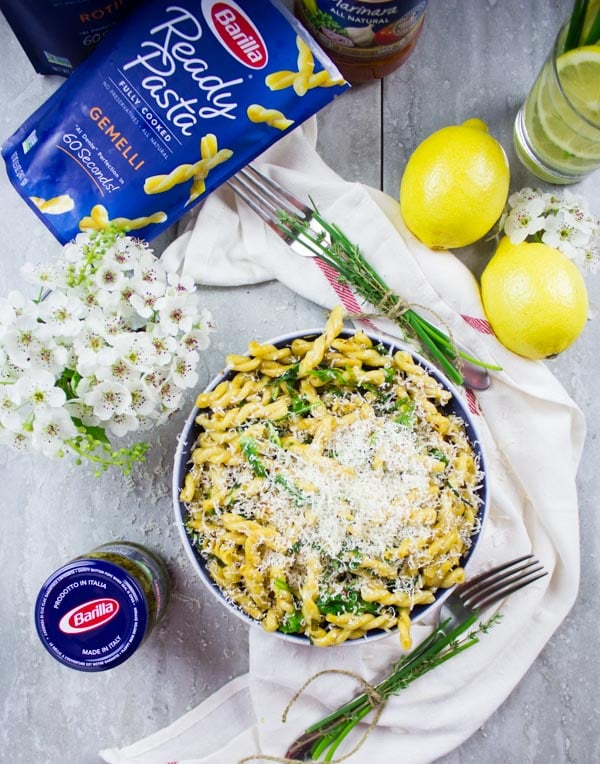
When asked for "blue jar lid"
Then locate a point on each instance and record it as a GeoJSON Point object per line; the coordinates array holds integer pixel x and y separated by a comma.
{"type": "Point", "coordinates": [91, 615]}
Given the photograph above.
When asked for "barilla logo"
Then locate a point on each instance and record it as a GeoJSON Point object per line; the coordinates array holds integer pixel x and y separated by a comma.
{"type": "Point", "coordinates": [90, 615]}
{"type": "Point", "coordinates": [236, 32]}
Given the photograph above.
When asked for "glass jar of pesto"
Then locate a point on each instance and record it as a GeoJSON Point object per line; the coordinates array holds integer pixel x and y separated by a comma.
{"type": "Point", "coordinates": [93, 613]}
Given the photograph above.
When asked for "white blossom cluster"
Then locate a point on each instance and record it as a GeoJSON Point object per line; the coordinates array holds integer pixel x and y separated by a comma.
{"type": "Point", "coordinates": [109, 346]}
{"type": "Point", "coordinates": [559, 219]}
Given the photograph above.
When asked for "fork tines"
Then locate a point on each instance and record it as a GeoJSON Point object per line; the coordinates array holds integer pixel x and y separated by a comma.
{"type": "Point", "coordinates": [489, 587]}
{"type": "Point", "coordinates": [266, 197]}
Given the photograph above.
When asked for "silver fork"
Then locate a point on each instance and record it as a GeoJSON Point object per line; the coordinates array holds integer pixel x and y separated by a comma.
{"type": "Point", "coordinates": [280, 210]}
{"type": "Point", "coordinates": [481, 592]}
{"type": "Point", "coordinates": [471, 599]}
{"type": "Point", "coordinates": [461, 609]}
{"type": "Point", "coordinates": [269, 200]}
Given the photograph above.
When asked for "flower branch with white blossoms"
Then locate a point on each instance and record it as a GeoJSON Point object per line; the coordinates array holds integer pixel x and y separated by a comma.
{"type": "Point", "coordinates": [558, 219]}
{"type": "Point", "coordinates": [108, 347]}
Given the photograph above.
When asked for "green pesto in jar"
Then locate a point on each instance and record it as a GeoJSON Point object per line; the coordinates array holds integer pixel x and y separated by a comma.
{"type": "Point", "coordinates": [94, 612]}
{"type": "Point", "coordinates": [146, 568]}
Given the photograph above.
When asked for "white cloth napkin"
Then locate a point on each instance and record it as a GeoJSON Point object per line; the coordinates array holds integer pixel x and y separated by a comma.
{"type": "Point", "coordinates": [533, 435]}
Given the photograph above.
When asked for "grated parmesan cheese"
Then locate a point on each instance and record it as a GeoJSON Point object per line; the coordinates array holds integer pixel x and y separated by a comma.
{"type": "Point", "coordinates": [371, 485]}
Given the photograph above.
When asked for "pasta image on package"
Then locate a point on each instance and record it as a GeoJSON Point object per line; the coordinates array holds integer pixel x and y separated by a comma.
{"type": "Point", "coordinates": [176, 101]}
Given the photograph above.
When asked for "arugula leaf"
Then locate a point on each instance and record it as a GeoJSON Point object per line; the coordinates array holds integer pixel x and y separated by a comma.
{"type": "Point", "coordinates": [440, 455]}
{"type": "Point", "coordinates": [370, 388]}
{"type": "Point", "coordinates": [290, 376]}
{"type": "Point", "coordinates": [273, 433]}
{"type": "Point", "coordinates": [330, 375]}
{"type": "Point", "coordinates": [230, 498]}
{"type": "Point", "coordinates": [301, 405]}
{"type": "Point", "coordinates": [299, 498]}
{"type": "Point", "coordinates": [348, 602]}
{"type": "Point", "coordinates": [457, 494]}
{"type": "Point", "coordinates": [292, 623]}
{"type": "Point", "coordinates": [406, 412]}
{"type": "Point", "coordinates": [248, 446]}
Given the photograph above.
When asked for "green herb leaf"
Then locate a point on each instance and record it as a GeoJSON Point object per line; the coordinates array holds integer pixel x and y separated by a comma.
{"type": "Point", "coordinates": [406, 412]}
{"type": "Point", "coordinates": [347, 602]}
{"type": "Point", "coordinates": [299, 498]}
{"type": "Point", "coordinates": [330, 375]}
{"type": "Point", "coordinates": [325, 736]}
{"type": "Point", "coordinates": [292, 623]}
{"type": "Point", "coordinates": [290, 376]}
{"type": "Point", "coordinates": [439, 455]}
{"type": "Point", "coordinates": [250, 451]}
{"type": "Point", "coordinates": [352, 269]}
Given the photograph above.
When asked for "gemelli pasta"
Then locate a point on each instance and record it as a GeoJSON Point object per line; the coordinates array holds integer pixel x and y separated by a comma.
{"type": "Point", "coordinates": [329, 490]}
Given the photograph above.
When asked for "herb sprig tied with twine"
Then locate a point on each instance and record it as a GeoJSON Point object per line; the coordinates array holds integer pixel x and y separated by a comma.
{"type": "Point", "coordinates": [321, 740]}
{"type": "Point", "coordinates": [332, 246]}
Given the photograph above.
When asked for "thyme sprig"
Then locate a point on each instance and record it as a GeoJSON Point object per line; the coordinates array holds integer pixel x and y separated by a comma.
{"type": "Point", "coordinates": [331, 245]}
{"type": "Point", "coordinates": [321, 740]}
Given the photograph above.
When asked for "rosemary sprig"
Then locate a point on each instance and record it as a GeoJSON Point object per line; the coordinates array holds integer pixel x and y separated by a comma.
{"type": "Point", "coordinates": [332, 246]}
{"type": "Point", "coordinates": [323, 738]}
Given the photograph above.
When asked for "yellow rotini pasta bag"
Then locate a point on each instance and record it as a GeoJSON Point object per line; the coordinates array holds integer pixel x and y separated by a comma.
{"type": "Point", "coordinates": [174, 102]}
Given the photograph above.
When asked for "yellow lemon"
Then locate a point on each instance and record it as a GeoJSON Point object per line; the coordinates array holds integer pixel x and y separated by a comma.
{"type": "Point", "coordinates": [534, 297]}
{"type": "Point", "coordinates": [455, 186]}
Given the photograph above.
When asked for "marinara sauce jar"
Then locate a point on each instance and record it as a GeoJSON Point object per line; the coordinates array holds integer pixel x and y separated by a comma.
{"type": "Point", "coordinates": [93, 613]}
{"type": "Point", "coordinates": [367, 39]}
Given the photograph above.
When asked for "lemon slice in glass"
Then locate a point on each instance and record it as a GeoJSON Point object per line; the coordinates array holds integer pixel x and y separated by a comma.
{"type": "Point", "coordinates": [579, 73]}
{"type": "Point", "coordinates": [572, 125]}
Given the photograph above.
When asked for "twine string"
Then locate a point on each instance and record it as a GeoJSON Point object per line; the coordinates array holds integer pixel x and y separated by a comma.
{"type": "Point", "coordinates": [394, 307]}
{"type": "Point", "coordinates": [377, 701]}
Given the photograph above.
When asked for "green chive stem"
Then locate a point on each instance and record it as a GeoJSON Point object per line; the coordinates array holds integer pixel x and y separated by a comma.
{"type": "Point", "coordinates": [338, 252]}
{"type": "Point", "coordinates": [324, 737]}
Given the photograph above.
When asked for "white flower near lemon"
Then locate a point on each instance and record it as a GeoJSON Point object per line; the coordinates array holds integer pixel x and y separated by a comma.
{"type": "Point", "coordinates": [560, 219]}
{"type": "Point", "coordinates": [455, 186]}
{"type": "Point", "coordinates": [535, 298]}
{"type": "Point", "coordinates": [524, 219]}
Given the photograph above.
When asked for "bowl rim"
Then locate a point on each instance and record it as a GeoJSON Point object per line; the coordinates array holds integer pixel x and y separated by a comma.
{"type": "Point", "coordinates": [419, 612]}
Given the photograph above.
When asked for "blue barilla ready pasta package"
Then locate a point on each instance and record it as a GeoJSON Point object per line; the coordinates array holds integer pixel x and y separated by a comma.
{"type": "Point", "coordinates": [178, 99]}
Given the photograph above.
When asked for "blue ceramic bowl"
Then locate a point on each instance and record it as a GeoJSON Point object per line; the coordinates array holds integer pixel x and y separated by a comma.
{"type": "Point", "coordinates": [191, 431]}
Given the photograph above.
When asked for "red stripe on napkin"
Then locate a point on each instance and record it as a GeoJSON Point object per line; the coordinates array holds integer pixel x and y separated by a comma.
{"type": "Point", "coordinates": [472, 402]}
{"type": "Point", "coordinates": [350, 303]}
{"type": "Point", "coordinates": [479, 324]}
{"type": "Point", "coordinates": [343, 291]}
